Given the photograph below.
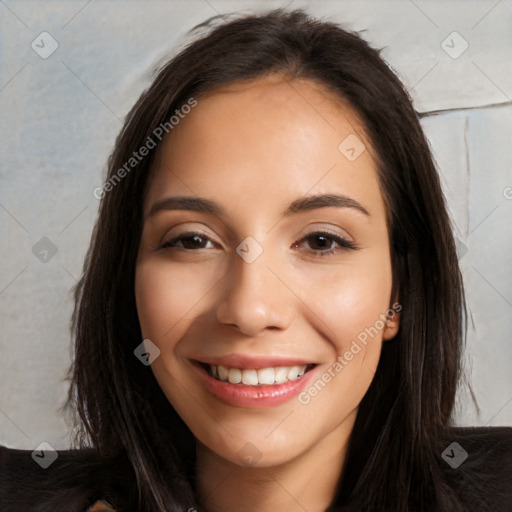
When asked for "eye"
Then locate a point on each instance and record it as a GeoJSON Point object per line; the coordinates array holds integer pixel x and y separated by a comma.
{"type": "Point", "coordinates": [189, 241]}
{"type": "Point", "coordinates": [321, 243]}
{"type": "Point", "coordinates": [324, 243]}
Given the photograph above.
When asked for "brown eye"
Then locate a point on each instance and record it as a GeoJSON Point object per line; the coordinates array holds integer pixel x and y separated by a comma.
{"type": "Point", "coordinates": [323, 243]}
{"type": "Point", "coordinates": [193, 242]}
{"type": "Point", "coordinates": [188, 241]}
{"type": "Point", "coordinates": [320, 242]}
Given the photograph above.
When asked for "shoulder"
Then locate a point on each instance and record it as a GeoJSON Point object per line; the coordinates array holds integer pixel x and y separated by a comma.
{"type": "Point", "coordinates": [477, 464]}
{"type": "Point", "coordinates": [76, 478]}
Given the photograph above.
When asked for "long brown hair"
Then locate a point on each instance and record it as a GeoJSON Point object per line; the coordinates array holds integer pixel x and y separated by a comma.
{"type": "Point", "coordinates": [393, 458]}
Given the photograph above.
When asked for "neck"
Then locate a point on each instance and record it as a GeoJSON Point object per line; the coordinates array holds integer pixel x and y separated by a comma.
{"type": "Point", "coordinates": [307, 482]}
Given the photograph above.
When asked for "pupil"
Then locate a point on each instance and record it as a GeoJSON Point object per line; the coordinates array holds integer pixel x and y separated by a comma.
{"type": "Point", "coordinates": [192, 242]}
{"type": "Point", "coordinates": [320, 242]}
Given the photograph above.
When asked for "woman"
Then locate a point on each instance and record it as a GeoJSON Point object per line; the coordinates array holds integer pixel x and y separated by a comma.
{"type": "Point", "coordinates": [271, 313]}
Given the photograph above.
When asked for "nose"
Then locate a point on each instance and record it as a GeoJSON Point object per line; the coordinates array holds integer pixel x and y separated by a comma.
{"type": "Point", "coordinates": [255, 299]}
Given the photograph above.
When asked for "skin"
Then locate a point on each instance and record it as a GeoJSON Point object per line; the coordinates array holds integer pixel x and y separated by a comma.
{"type": "Point", "coordinates": [253, 148]}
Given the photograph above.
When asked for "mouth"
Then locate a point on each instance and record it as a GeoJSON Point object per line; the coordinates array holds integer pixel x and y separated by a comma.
{"type": "Point", "coordinates": [269, 376]}
{"type": "Point", "coordinates": [254, 382]}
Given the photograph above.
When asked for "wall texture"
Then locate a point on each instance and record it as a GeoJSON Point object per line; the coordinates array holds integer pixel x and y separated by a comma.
{"type": "Point", "coordinates": [69, 73]}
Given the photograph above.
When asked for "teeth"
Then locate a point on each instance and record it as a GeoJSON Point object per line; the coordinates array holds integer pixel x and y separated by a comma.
{"type": "Point", "coordinates": [266, 376]}
{"type": "Point", "coordinates": [235, 376]}
{"type": "Point", "coordinates": [222, 373]}
{"type": "Point", "coordinates": [293, 373]}
{"type": "Point", "coordinates": [263, 376]}
{"type": "Point", "coordinates": [281, 374]}
{"type": "Point", "coordinates": [250, 377]}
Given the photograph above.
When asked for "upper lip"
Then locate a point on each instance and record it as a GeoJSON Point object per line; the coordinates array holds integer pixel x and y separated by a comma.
{"type": "Point", "coordinates": [252, 362]}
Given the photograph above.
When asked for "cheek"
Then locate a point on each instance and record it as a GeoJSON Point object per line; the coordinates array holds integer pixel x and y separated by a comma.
{"type": "Point", "coordinates": [347, 306]}
{"type": "Point", "coordinates": [348, 312]}
{"type": "Point", "coordinates": [166, 295]}
{"type": "Point", "coordinates": [357, 305]}
{"type": "Point", "coordinates": [350, 300]}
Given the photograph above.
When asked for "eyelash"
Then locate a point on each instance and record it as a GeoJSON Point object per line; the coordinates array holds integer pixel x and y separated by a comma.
{"type": "Point", "coordinates": [343, 244]}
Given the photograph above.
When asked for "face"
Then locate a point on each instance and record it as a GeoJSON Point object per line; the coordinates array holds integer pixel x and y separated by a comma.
{"type": "Point", "coordinates": [264, 272]}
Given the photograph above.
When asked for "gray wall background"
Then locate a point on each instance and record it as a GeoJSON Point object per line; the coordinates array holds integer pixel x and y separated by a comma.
{"type": "Point", "coordinates": [60, 115]}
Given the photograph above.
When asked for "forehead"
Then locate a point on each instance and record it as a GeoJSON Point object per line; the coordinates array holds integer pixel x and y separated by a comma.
{"type": "Point", "coordinates": [267, 139]}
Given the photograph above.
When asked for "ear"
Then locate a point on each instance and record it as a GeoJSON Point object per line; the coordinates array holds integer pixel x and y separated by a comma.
{"type": "Point", "coordinates": [393, 321]}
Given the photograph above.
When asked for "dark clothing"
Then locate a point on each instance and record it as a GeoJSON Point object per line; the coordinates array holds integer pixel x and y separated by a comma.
{"type": "Point", "coordinates": [477, 463]}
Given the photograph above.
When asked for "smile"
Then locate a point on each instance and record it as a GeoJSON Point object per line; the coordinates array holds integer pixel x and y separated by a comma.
{"type": "Point", "coordinates": [261, 377]}
{"type": "Point", "coordinates": [255, 387]}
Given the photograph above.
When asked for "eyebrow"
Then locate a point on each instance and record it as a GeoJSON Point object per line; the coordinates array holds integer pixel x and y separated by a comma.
{"type": "Point", "coordinates": [199, 204]}
{"type": "Point", "coordinates": [324, 201]}
{"type": "Point", "coordinates": [196, 204]}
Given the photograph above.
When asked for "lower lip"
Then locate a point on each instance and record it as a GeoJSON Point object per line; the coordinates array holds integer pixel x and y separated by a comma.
{"type": "Point", "coordinates": [255, 396]}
